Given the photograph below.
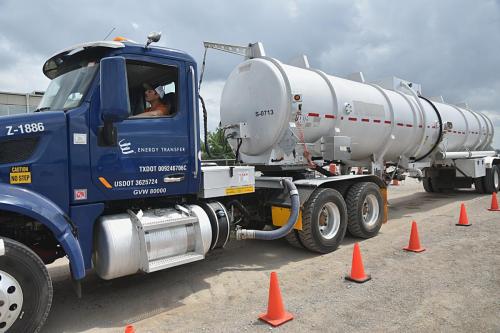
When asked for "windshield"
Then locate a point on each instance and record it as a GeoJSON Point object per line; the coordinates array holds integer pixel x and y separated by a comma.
{"type": "Point", "coordinates": [67, 90]}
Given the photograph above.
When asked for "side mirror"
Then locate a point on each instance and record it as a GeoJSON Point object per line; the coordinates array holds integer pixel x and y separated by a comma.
{"type": "Point", "coordinates": [115, 104]}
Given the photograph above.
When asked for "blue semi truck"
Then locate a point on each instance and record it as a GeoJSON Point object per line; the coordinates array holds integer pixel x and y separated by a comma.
{"type": "Point", "coordinates": [80, 178]}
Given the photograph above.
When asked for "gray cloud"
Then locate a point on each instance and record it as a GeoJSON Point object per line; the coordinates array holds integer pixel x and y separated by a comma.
{"type": "Point", "coordinates": [450, 47]}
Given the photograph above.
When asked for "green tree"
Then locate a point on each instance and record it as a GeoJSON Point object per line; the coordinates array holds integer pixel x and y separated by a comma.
{"type": "Point", "coordinates": [218, 146]}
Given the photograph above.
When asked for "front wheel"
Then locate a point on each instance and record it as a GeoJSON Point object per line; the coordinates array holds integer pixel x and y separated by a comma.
{"type": "Point", "coordinates": [25, 289]}
{"type": "Point", "coordinates": [324, 221]}
{"type": "Point", "coordinates": [365, 208]}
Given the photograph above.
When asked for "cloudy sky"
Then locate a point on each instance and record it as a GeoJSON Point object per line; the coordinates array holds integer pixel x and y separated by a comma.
{"type": "Point", "coordinates": [451, 47]}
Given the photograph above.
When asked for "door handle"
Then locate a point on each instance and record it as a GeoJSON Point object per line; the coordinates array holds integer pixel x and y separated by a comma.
{"type": "Point", "coordinates": [175, 178]}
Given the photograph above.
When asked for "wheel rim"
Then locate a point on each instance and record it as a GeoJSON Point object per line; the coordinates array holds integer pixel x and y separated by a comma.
{"type": "Point", "coordinates": [11, 300]}
{"type": "Point", "coordinates": [370, 210]}
{"type": "Point", "coordinates": [329, 220]}
{"type": "Point", "coordinates": [495, 179]}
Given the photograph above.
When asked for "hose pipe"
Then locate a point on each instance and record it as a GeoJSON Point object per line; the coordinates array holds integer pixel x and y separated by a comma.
{"type": "Point", "coordinates": [284, 230]}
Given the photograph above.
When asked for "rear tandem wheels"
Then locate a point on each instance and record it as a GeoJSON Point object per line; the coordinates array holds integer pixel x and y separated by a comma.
{"type": "Point", "coordinates": [327, 215]}
{"type": "Point", "coordinates": [436, 180]}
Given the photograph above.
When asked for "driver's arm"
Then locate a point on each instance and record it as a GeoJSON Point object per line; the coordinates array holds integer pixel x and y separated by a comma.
{"type": "Point", "coordinates": [157, 113]}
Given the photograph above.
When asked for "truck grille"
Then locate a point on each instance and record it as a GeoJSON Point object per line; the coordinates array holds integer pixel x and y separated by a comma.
{"type": "Point", "coordinates": [17, 150]}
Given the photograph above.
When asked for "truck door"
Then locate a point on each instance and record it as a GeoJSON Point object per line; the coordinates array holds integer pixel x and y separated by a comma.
{"type": "Point", "coordinates": [152, 156]}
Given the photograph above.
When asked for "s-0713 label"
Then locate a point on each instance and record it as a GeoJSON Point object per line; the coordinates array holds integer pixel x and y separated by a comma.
{"type": "Point", "coordinates": [263, 113]}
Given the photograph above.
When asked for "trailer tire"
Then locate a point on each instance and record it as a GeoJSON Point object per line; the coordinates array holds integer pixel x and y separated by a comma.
{"type": "Point", "coordinates": [492, 180]}
{"type": "Point", "coordinates": [426, 181]}
{"type": "Point", "coordinates": [434, 185]}
{"type": "Point", "coordinates": [22, 267]}
{"type": "Point", "coordinates": [479, 185]}
{"type": "Point", "coordinates": [293, 239]}
{"type": "Point", "coordinates": [324, 221]}
{"type": "Point", "coordinates": [365, 210]}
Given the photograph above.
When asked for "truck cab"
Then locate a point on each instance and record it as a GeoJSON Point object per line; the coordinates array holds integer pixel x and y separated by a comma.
{"type": "Point", "coordinates": [82, 152]}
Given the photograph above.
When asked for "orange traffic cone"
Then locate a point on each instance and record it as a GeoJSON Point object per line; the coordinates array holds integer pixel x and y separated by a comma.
{"type": "Point", "coordinates": [357, 270]}
{"type": "Point", "coordinates": [463, 220]}
{"type": "Point", "coordinates": [494, 203]}
{"type": "Point", "coordinates": [276, 314]}
{"type": "Point", "coordinates": [129, 329]}
{"type": "Point", "coordinates": [414, 244]}
{"type": "Point", "coordinates": [395, 182]}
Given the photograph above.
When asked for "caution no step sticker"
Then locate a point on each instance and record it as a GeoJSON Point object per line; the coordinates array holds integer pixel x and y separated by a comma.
{"type": "Point", "coordinates": [20, 175]}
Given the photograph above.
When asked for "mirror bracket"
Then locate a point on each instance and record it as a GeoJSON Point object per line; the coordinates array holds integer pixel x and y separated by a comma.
{"type": "Point", "coordinates": [107, 136]}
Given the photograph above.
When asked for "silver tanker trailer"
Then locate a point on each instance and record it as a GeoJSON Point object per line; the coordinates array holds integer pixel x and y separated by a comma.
{"type": "Point", "coordinates": [286, 117]}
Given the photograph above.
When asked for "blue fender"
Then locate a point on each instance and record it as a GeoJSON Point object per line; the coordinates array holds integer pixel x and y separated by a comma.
{"type": "Point", "coordinates": [23, 201]}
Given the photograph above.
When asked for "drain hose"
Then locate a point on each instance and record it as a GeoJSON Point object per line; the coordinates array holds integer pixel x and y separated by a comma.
{"type": "Point", "coordinates": [284, 230]}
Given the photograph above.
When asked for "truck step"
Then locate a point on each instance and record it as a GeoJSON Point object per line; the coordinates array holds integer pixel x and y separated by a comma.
{"type": "Point", "coordinates": [163, 263]}
{"type": "Point", "coordinates": [152, 224]}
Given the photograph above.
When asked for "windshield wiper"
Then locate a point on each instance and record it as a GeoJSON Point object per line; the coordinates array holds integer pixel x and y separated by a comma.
{"type": "Point", "coordinates": [45, 108]}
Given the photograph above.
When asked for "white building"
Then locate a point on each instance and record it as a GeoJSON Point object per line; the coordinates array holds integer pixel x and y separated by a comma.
{"type": "Point", "coordinates": [16, 103]}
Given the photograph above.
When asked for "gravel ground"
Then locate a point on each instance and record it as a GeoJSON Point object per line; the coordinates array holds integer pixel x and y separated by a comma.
{"type": "Point", "coordinates": [454, 286]}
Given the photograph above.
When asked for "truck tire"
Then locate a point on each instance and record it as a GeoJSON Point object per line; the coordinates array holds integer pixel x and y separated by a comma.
{"type": "Point", "coordinates": [434, 185]}
{"type": "Point", "coordinates": [492, 180]}
{"type": "Point", "coordinates": [293, 239]}
{"type": "Point", "coordinates": [479, 185]}
{"type": "Point", "coordinates": [426, 181]}
{"type": "Point", "coordinates": [324, 221]}
{"type": "Point", "coordinates": [365, 208]}
{"type": "Point", "coordinates": [25, 289]}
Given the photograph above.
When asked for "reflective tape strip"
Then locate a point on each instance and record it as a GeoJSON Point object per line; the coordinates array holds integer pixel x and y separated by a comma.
{"type": "Point", "coordinates": [2, 247]}
{"type": "Point", "coordinates": [105, 182]}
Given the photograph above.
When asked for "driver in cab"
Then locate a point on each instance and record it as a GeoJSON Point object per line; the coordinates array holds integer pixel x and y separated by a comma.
{"type": "Point", "coordinates": [154, 97]}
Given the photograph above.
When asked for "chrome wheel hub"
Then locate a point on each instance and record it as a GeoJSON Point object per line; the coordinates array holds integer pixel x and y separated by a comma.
{"type": "Point", "coordinates": [329, 220]}
{"type": "Point", "coordinates": [370, 211]}
{"type": "Point", "coordinates": [11, 300]}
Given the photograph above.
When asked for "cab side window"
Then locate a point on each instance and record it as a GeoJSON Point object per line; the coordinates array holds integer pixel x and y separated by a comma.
{"type": "Point", "coordinates": [152, 89]}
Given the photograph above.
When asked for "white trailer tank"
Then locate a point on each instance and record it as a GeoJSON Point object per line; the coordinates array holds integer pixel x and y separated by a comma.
{"type": "Point", "coordinates": [278, 112]}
